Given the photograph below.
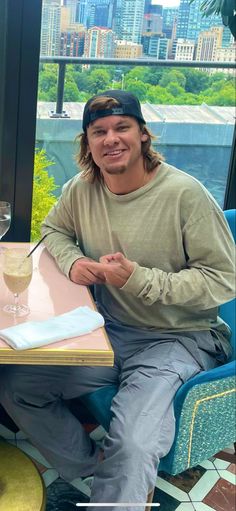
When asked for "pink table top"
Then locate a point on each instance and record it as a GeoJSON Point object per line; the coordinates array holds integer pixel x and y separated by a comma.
{"type": "Point", "coordinates": [51, 293]}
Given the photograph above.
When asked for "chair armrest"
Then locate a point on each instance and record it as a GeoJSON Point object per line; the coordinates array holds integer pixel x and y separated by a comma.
{"type": "Point", "coordinates": [205, 418]}
{"type": "Point", "coordinates": [218, 373]}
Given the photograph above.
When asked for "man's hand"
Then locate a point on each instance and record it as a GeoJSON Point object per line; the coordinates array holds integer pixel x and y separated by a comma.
{"type": "Point", "coordinates": [116, 268]}
{"type": "Point", "coordinates": [86, 271]}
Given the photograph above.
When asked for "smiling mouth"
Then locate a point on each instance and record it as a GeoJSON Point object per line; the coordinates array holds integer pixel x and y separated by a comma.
{"type": "Point", "coordinates": [116, 152]}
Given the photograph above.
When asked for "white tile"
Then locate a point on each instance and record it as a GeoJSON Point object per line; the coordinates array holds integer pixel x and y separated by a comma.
{"type": "Point", "coordinates": [49, 476]}
{"type": "Point", "coordinates": [200, 506]}
{"type": "Point", "coordinates": [33, 452]}
{"type": "Point", "coordinates": [221, 464]}
{"type": "Point", "coordinates": [185, 506]}
{"type": "Point", "coordinates": [6, 433]}
{"type": "Point", "coordinates": [20, 435]}
{"type": "Point", "coordinates": [226, 474]}
{"type": "Point", "coordinates": [172, 490]}
{"type": "Point", "coordinates": [80, 485]}
{"type": "Point", "coordinates": [208, 465]}
{"type": "Point", "coordinates": [204, 485]}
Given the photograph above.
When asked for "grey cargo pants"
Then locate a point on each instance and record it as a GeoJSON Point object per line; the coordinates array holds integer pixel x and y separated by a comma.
{"type": "Point", "coordinates": [149, 368]}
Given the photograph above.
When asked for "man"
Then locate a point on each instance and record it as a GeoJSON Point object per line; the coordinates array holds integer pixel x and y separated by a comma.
{"type": "Point", "coordinates": [156, 247]}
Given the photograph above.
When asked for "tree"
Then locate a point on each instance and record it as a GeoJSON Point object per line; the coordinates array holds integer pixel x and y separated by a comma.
{"type": "Point", "coordinates": [196, 80]}
{"type": "Point", "coordinates": [175, 89]}
{"type": "Point", "coordinates": [154, 75]}
{"type": "Point", "coordinates": [137, 73]}
{"type": "Point", "coordinates": [172, 76]}
{"type": "Point", "coordinates": [137, 88]}
{"type": "Point", "coordinates": [43, 188]}
{"type": "Point", "coordinates": [47, 78]}
{"type": "Point", "coordinates": [158, 95]}
{"type": "Point", "coordinates": [98, 81]}
{"type": "Point", "coordinates": [71, 92]}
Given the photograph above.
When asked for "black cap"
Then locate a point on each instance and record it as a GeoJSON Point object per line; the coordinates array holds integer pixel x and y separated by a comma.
{"type": "Point", "coordinates": [129, 105]}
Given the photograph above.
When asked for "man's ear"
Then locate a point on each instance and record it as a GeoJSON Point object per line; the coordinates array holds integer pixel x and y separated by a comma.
{"type": "Point", "coordinates": [144, 137]}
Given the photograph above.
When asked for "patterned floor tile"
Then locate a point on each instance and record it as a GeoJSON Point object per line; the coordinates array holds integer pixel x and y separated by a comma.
{"type": "Point", "coordinates": [203, 486]}
{"type": "Point", "coordinates": [225, 474]}
{"type": "Point", "coordinates": [29, 449]}
{"type": "Point", "coordinates": [186, 480]}
{"type": "Point", "coordinates": [61, 496]}
{"type": "Point", "coordinates": [227, 455]}
{"type": "Point", "coordinates": [167, 502]}
{"type": "Point", "coordinates": [49, 476]}
{"type": "Point", "coordinates": [172, 490]}
{"type": "Point", "coordinates": [222, 496]}
{"type": "Point", "coordinates": [185, 506]}
{"type": "Point", "coordinates": [232, 468]}
{"type": "Point", "coordinates": [221, 464]}
{"type": "Point", "coordinates": [207, 487]}
{"type": "Point", "coordinates": [200, 506]}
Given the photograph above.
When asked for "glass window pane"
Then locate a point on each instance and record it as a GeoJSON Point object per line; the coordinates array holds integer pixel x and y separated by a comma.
{"type": "Point", "coordinates": [190, 110]}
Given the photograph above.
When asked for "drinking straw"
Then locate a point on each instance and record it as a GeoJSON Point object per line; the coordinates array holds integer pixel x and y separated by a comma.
{"type": "Point", "coordinates": [36, 246]}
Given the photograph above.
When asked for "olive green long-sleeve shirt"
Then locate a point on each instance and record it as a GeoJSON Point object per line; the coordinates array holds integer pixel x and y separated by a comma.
{"type": "Point", "coordinates": [174, 231]}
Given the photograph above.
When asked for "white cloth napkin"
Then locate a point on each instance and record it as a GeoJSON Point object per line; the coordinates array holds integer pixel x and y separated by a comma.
{"type": "Point", "coordinates": [33, 334]}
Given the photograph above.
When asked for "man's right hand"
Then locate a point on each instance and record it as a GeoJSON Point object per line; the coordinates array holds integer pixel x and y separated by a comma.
{"type": "Point", "coordinates": [85, 271]}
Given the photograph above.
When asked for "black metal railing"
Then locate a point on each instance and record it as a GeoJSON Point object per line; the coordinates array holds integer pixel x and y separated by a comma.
{"type": "Point", "coordinates": [63, 61]}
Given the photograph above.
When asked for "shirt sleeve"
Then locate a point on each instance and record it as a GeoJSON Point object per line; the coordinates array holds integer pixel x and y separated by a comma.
{"type": "Point", "coordinates": [61, 239]}
{"type": "Point", "coordinates": [209, 277]}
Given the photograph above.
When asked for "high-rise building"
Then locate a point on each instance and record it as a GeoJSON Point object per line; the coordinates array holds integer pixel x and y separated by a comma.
{"type": "Point", "coordinates": [226, 55]}
{"type": "Point", "coordinates": [155, 46]}
{"type": "Point", "coordinates": [184, 50]}
{"type": "Point", "coordinates": [132, 12]}
{"type": "Point", "coordinates": [150, 8]}
{"type": "Point", "coordinates": [72, 5]}
{"type": "Point", "coordinates": [51, 28]}
{"type": "Point", "coordinates": [208, 43]}
{"type": "Point", "coordinates": [82, 12]}
{"type": "Point", "coordinates": [72, 43]}
{"type": "Point", "coordinates": [152, 23]}
{"type": "Point", "coordinates": [101, 13]}
{"type": "Point", "coordinates": [191, 21]}
{"type": "Point", "coordinates": [117, 19]}
{"type": "Point", "coordinates": [99, 42]}
{"type": "Point", "coordinates": [170, 15]}
{"type": "Point", "coordinates": [128, 50]}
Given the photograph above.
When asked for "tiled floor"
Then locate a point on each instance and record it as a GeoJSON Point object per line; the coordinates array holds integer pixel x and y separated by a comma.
{"type": "Point", "coordinates": [208, 487]}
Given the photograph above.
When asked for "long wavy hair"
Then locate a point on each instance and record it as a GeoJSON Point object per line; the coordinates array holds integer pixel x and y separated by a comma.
{"type": "Point", "coordinates": [90, 171]}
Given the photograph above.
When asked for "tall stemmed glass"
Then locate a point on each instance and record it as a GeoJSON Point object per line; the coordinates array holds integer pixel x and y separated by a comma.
{"type": "Point", "coordinates": [17, 274]}
{"type": "Point", "coordinates": [5, 217]}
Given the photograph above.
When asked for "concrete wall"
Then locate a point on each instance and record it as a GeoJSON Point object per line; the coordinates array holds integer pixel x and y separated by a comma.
{"type": "Point", "coordinates": [201, 149]}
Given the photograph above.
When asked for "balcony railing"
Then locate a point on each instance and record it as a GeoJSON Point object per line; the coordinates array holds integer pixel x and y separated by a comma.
{"type": "Point", "coordinates": [63, 61]}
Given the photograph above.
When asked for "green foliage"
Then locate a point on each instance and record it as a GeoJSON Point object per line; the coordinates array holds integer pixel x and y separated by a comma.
{"type": "Point", "coordinates": [174, 76]}
{"type": "Point", "coordinates": [99, 80]}
{"type": "Point", "coordinates": [137, 87]}
{"type": "Point", "coordinates": [47, 82]}
{"type": "Point", "coordinates": [43, 187]}
{"type": "Point", "coordinates": [71, 92]}
{"type": "Point", "coordinates": [155, 85]}
{"type": "Point", "coordinates": [196, 80]}
{"type": "Point", "coordinates": [175, 89]}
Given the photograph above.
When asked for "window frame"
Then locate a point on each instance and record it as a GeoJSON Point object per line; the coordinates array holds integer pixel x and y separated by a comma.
{"type": "Point", "coordinates": [20, 30]}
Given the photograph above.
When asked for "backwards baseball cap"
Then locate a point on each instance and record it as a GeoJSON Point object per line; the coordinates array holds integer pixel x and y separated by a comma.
{"type": "Point", "coordinates": [128, 105]}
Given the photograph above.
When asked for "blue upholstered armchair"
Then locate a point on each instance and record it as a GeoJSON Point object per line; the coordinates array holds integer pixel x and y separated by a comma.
{"type": "Point", "coordinates": [204, 405]}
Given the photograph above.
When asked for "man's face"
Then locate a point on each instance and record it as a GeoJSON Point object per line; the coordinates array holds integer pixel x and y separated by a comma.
{"type": "Point", "coordinates": [115, 144]}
